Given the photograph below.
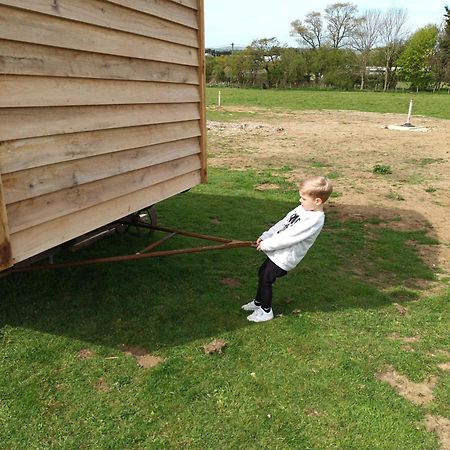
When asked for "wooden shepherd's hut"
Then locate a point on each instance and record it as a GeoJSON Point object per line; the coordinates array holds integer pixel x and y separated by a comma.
{"type": "Point", "coordinates": [101, 114]}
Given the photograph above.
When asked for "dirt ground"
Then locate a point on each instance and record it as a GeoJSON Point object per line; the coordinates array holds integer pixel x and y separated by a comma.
{"type": "Point", "coordinates": [347, 145]}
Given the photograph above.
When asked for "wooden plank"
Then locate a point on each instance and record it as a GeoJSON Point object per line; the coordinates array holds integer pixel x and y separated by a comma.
{"type": "Point", "coordinates": [26, 91]}
{"type": "Point", "coordinates": [34, 211]}
{"type": "Point", "coordinates": [18, 58]}
{"type": "Point", "coordinates": [6, 258]}
{"type": "Point", "coordinates": [26, 184]}
{"type": "Point", "coordinates": [172, 11]}
{"type": "Point", "coordinates": [202, 79]}
{"type": "Point", "coordinates": [188, 3]}
{"type": "Point", "coordinates": [28, 153]}
{"type": "Point", "coordinates": [109, 15]}
{"type": "Point", "coordinates": [35, 240]}
{"type": "Point", "coordinates": [24, 26]}
{"type": "Point", "coordinates": [20, 123]}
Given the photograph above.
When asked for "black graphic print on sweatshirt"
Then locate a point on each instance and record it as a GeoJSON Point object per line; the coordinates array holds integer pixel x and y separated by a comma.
{"type": "Point", "coordinates": [291, 221]}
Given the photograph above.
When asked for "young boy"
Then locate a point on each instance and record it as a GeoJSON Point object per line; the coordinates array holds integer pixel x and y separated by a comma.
{"type": "Point", "coordinates": [287, 242]}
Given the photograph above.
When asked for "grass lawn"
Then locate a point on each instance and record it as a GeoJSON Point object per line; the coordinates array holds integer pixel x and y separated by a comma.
{"type": "Point", "coordinates": [308, 379]}
{"type": "Point", "coordinates": [425, 104]}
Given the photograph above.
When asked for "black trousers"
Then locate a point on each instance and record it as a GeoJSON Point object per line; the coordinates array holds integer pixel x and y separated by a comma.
{"type": "Point", "coordinates": [267, 275]}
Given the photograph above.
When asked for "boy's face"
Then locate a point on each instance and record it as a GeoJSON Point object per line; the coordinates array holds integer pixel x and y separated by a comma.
{"type": "Point", "coordinates": [310, 203]}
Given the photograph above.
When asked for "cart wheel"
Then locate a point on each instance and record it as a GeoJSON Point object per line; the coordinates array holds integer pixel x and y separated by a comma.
{"type": "Point", "coordinates": [145, 216]}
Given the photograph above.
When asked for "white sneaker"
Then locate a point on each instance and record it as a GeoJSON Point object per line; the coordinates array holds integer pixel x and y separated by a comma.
{"type": "Point", "coordinates": [259, 315]}
{"type": "Point", "coordinates": [250, 306]}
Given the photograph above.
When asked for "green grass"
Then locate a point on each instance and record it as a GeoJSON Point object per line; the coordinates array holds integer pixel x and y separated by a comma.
{"type": "Point", "coordinates": [425, 104]}
{"type": "Point", "coordinates": [303, 380]}
{"type": "Point", "coordinates": [382, 169]}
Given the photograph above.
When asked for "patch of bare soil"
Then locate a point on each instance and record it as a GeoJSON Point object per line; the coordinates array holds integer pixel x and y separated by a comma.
{"type": "Point", "coordinates": [401, 309]}
{"type": "Point", "coordinates": [440, 426]}
{"type": "Point", "coordinates": [143, 358]}
{"type": "Point", "coordinates": [85, 354]}
{"type": "Point", "coordinates": [406, 339]}
{"type": "Point", "coordinates": [444, 366]}
{"type": "Point", "coordinates": [417, 393]}
{"type": "Point", "coordinates": [148, 361]}
{"type": "Point", "coordinates": [348, 144]}
{"type": "Point", "coordinates": [267, 187]}
{"type": "Point", "coordinates": [216, 346]}
{"type": "Point", "coordinates": [102, 385]}
{"type": "Point", "coordinates": [131, 350]}
{"type": "Point", "coordinates": [231, 282]}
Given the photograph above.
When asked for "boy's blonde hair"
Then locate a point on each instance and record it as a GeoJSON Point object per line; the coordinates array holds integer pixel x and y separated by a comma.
{"type": "Point", "coordinates": [317, 187]}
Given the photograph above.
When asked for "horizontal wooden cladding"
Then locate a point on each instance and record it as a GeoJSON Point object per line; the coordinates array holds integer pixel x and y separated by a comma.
{"type": "Point", "coordinates": [26, 184]}
{"type": "Point", "coordinates": [110, 15]}
{"type": "Point", "coordinates": [169, 10]}
{"type": "Point", "coordinates": [189, 3]}
{"type": "Point", "coordinates": [27, 91]}
{"type": "Point", "coordinates": [32, 212]}
{"type": "Point", "coordinates": [35, 240]}
{"type": "Point", "coordinates": [18, 58]}
{"type": "Point", "coordinates": [41, 152]}
{"type": "Point", "coordinates": [25, 26]}
{"type": "Point", "coordinates": [21, 123]}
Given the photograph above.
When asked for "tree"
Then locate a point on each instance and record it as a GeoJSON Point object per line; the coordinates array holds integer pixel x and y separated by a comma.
{"type": "Point", "coordinates": [364, 37]}
{"type": "Point", "coordinates": [441, 61]}
{"type": "Point", "coordinates": [393, 34]}
{"type": "Point", "coordinates": [293, 67]}
{"type": "Point", "coordinates": [266, 56]}
{"type": "Point", "coordinates": [215, 69]}
{"type": "Point", "coordinates": [338, 67]}
{"type": "Point", "coordinates": [309, 32]}
{"type": "Point", "coordinates": [416, 59]}
{"type": "Point", "coordinates": [340, 19]}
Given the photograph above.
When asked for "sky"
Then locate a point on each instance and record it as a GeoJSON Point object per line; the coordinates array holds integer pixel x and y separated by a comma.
{"type": "Point", "coordinates": [241, 21]}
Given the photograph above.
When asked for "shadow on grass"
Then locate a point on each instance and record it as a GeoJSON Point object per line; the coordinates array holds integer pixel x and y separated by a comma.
{"type": "Point", "coordinates": [165, 302]}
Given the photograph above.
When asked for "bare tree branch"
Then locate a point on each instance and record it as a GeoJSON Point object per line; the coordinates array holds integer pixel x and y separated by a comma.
{"type": "Point", "coordinates": [365, 36]}
{"type": "Point", "coordinates": [340, 19]}
{"type": "Point", "coordinates": [310, 31]}
{"type": "Point", "coordinates": [393, 34]}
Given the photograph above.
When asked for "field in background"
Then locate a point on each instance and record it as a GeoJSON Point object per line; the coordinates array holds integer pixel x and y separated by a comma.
{"type": "Point", "coordinates": [356, 358]}
{"type": "Point", "coordinates": [425, 104]}
{"type": "Point", "coordinates": [398, 176]}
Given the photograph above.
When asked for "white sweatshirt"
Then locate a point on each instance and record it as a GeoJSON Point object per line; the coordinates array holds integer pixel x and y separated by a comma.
{"type": "Point", "coordinates": [287, 242]}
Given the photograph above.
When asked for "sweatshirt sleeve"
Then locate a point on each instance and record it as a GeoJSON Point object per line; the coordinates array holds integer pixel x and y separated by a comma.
{"type": "Point", "coordinates": [272, 230]}
{"type": "Point", "coordinates": [294, 234]}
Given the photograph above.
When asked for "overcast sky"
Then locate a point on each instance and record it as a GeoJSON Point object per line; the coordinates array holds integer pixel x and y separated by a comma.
{"type": "Point", "coordinates": [241, 21]}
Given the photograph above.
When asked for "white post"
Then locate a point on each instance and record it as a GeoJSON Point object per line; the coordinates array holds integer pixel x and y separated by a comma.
{"type": "Point", "coordinates": [408, 120]}
{"type": "Point", "coordinates": [410, 111]}
{"type": "Point", "coordinates": [218, 100]}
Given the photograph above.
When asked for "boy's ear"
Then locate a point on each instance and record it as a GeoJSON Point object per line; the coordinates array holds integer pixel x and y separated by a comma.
{"type": "Point", "coordinates": [318, 201]}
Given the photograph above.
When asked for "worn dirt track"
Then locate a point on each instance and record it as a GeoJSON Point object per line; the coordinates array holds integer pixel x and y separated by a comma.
{"type": "Point", "coordinates": [348, 145]}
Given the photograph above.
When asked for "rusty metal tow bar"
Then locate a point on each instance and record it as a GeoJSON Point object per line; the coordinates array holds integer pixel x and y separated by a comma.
{"type": "Point", "coordinates": [223, 244]}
